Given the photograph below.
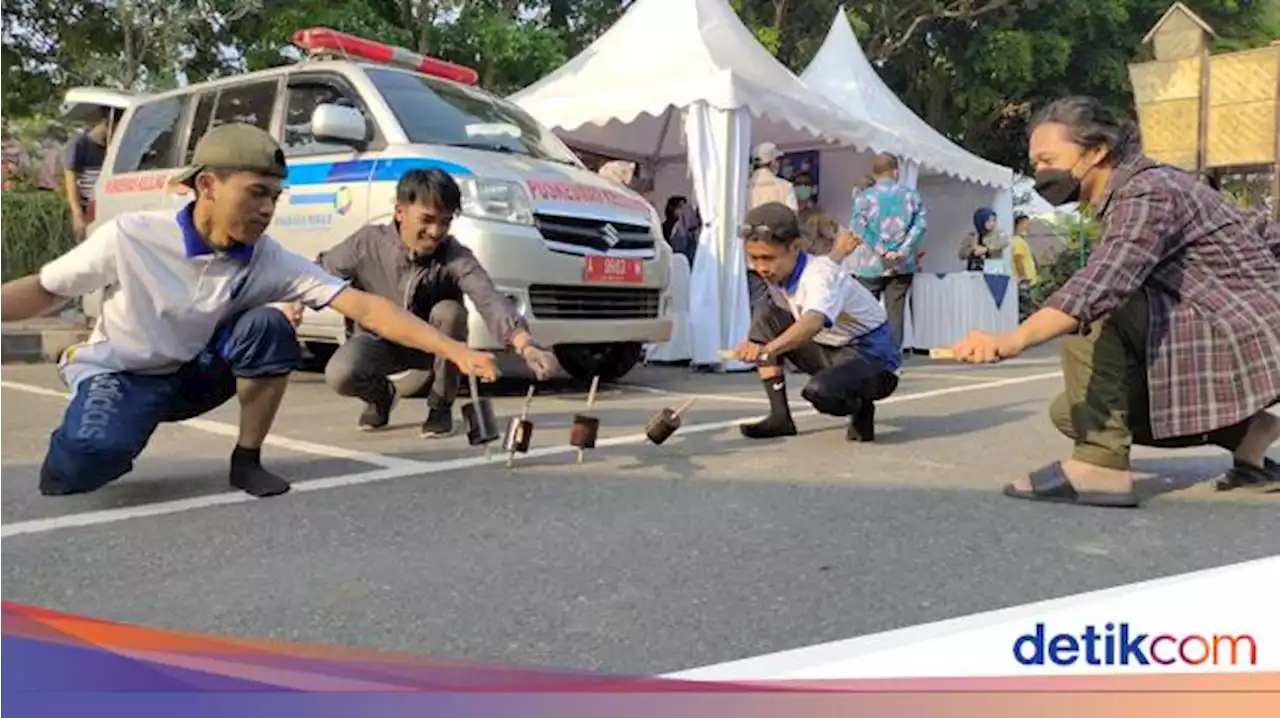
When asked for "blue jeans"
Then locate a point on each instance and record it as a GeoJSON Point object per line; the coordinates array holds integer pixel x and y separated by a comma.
{"type": "Point", "coordinates": [112, 416]}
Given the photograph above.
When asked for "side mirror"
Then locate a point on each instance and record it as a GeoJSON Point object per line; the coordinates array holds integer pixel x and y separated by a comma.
{"type": "Point", "coordinates": [339, 123]}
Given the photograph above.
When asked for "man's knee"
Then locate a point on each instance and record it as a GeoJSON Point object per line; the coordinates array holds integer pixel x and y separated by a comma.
{"type": "Point", "coordinates": [768, 322]}
{"type": "Point", "coordinates": [80, 463]}
{"type": "Point", "coordinates": [101, 434]}
{"type": "Point", "coordinates": [840, 390]}
{"type": "Point", "coordinates": [829, 395]}
{"type": "Point", "coordinates": [261, 343]}
{"type": "Point", "coordinates": [1060, 415]}
{"type": "Point", "coordinates": [342, 373]}
{"type": "Point", "coordinates": [449, 317]}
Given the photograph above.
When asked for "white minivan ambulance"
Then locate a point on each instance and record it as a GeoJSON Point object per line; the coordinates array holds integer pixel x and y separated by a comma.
{"type": "Point", "coordinates": [582, 259]}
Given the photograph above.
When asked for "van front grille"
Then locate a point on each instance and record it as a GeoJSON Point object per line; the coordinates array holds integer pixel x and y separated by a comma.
{"type": "Point", "coordinates": [574, 235]}
{"type": "Point", "coordinates": [552, 302]}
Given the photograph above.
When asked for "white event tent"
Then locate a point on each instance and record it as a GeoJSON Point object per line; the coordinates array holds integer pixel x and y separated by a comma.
{"type": "Point", "coordinates": [945, 301]}
{"type": "Point", "coordinates": [684, 87]}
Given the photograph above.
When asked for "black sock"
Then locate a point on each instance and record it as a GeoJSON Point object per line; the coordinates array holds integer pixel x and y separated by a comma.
{"type": "Point", "coordinates": [776, 389]}
{"type": "Point", "coordinates": [248, 475]}
{"type": "Point", "coordinates": [242, 456]}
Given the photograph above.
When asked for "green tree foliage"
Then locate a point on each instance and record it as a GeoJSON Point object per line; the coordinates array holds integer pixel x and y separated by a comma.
{"type": "Point", "coordinates": [974, 69]}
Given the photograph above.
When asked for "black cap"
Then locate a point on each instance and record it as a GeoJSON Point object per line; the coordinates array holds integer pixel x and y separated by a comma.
{"type": "Point", "coordinates": [774, 219]}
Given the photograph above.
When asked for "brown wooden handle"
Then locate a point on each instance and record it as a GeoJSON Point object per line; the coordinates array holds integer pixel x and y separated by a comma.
{"type": "Point", "coordinates": [730, 355]}
{"type": "Point", "coordinates": [941, 354]}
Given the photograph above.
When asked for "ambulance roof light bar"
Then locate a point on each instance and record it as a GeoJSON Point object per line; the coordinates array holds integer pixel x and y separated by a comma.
{"type": "Point", "coordinates": [323, 41]}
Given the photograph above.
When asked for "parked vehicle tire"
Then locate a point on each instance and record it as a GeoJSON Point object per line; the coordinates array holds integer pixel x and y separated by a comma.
{"type": "Point", "coordinates": [607, 361]}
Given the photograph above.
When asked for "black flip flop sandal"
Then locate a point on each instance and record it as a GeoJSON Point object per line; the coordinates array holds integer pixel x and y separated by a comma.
{"type": "Point", "coordinates": [1050, 484]}
{"type": "Point", "coordinates": [1246, 475]}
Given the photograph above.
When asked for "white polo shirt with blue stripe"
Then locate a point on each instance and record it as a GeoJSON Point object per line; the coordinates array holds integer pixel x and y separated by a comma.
{"type": "Point", "coordinates": [167, 292]}
{"type": "Point", "coordinates": [853, 316]}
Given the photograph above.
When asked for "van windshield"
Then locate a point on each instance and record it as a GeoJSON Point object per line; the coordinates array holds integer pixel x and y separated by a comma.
{"type": "Point", "coordinates": [436, 112]}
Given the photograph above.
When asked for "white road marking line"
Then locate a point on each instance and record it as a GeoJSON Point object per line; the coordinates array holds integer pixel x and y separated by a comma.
{"type": "Point", "coordinates": [107, 516]}
{"type": "Point", "coordinates": [91, 518]}
{"type": "Point", "coordinates": [280, 442]}
{"type": "Point", "coordinates": [944, 376]}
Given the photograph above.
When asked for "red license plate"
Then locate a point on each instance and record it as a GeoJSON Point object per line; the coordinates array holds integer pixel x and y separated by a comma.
{"type": "Point", "coordinates": [614, 270]}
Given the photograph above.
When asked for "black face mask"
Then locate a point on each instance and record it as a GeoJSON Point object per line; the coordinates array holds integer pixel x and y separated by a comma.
{"type": "Point", "coordinates": [1058, 187]}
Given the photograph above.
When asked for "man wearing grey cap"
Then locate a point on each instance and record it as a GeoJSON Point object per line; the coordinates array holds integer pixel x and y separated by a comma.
{"type": "Point", "coordinates": [820, 320]}
{"type": "Point", "coordinates": [184, 323]}
{"type": "Point", "coordinates": [763, 187]}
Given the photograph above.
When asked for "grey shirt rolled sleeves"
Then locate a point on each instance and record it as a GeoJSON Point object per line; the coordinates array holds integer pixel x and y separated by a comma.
{"type": "Point", "coordinates": [376, 261]}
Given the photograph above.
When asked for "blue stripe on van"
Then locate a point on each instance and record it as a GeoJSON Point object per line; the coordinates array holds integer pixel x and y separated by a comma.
{"type": "Point", "coordinates": [373, 170]}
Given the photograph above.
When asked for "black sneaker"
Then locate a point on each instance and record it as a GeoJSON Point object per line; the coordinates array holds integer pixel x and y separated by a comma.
{"type": "Point", "coordinates": [439, 423]}
{"type": "Point", "coordinates": [771, 427]}
{"type": "Point", "coordinates": [378, 414]}
{"type": "Point", "coordinates": [862, 424]}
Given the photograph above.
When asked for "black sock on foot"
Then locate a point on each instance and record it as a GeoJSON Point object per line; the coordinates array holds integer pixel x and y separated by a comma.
{"type": "Point", "coordinates": [248, 475]}
{"type": "Point", "coordinates": [776, 390]}
{"type": "Point", "coordinates": [779, 422]}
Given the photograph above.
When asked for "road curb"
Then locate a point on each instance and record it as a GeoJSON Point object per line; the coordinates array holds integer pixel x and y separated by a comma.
{"type": "Point", "coordinates": [34, 345]}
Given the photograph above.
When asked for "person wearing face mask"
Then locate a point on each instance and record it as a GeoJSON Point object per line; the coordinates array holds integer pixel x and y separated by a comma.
{"type": "Point", "coordinates": [985, 243]}
{"type": "Point", "coordinates": [806, 193]}
{"type": "Point", "coordinates": [1172, 328]}
{"type": "Point", "coordinates": [415, 262]}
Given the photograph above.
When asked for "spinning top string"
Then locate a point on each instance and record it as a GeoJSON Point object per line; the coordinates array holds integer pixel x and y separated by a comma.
{"type": "Point", "coordinates": [475, 402]}
{"type": "Point", "coordinates": [528, 401]}
{"type": "Point", "coordinates": [684, 406]}
{"type": "Point", "coordinates": [524, 416]}
{"type": "Point", "coordinates": [591, 401]}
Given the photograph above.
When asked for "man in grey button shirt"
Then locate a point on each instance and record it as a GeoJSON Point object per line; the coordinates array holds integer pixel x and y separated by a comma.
{"type": "Point", "coordinates": [184, 325]}
{"type": "Point", "coordinates": [416, 262]}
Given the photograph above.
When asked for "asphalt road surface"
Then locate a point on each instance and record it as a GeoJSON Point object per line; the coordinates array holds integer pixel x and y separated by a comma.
{"type": "Point", "coordinates": [640, 560]}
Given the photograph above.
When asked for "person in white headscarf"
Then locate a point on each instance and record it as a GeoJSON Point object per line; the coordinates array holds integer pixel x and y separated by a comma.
{"type": "Point", "coordinates": [765, 185]}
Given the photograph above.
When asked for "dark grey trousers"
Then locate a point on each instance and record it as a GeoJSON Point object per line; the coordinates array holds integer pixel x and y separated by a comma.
{"type": "Point", "coordinates": [361, 366]}
{"type": "Point", "coordinates": [895, 289]}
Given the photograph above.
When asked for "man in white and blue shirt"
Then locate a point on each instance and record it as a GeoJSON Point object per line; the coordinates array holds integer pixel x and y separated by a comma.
{"type": "Point", "coordinates": [822, 321]}
{"type": "Point", "coordinates": [185, 324]}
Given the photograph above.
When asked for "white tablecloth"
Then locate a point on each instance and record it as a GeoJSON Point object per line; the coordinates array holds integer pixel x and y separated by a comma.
{"type": "Point", "coordinates": [680, 347]}
{"type": "Point", "coordinates": [942, 309]}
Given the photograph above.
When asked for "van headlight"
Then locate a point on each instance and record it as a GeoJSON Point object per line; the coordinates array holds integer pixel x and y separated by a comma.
{"type": "Point", "coordinates": [496, 199]}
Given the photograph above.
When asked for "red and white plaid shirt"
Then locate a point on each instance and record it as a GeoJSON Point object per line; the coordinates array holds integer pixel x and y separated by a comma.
{"type": "Point", "coordinates": [1213, 286]}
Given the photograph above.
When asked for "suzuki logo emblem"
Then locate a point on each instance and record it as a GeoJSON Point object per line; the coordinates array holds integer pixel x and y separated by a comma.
{"type": "Point", "coordinates": [610, 235]}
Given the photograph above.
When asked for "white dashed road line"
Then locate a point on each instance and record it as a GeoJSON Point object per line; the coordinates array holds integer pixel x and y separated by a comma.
{"type": "Point", "coordinates": [402, 468]}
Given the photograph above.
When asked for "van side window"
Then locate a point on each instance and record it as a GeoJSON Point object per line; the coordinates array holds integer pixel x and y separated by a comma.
{"type": "Point", "coordinates": [251, 103]}
{"type": "Point", "coordinates": [149, 139]}
{"type": "Point", "coordinates": [306, 93]}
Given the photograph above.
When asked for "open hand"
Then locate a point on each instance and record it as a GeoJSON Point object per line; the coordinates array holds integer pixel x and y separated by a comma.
{"type": "Point", "coordinates": [481, 365]}
{"type": "Point", "coordinates": [984, 348]}
{"type": "Point", "coordinates": [542, 362]}
{"type": "Point", "coordinates": [845, 244]}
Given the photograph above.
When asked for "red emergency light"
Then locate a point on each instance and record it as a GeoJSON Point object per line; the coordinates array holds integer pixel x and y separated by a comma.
{"type": "Point", "coordinates": [323, 39]}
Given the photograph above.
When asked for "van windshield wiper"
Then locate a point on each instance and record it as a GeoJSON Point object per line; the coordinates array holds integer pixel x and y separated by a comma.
{"type": "Point", "coordinates": [490, 146]}
{"type": "Point", "coordinates": [507, 149]}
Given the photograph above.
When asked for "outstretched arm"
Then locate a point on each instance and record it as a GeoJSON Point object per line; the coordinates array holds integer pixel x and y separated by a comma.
{"type": "Point", "coordinates": [90, 266]}
{"type": "Point", "coordinates": [25, 298]}
{"type": "Point", "coordinates": [509, 327]}
{"type": "Point", "coordinates": [391, 322]}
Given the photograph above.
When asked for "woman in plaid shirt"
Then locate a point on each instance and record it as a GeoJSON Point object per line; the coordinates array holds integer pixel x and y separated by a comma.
{"type": "Point", "coordinates": [1173, 324]}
